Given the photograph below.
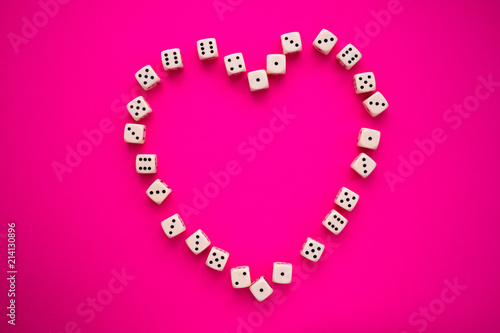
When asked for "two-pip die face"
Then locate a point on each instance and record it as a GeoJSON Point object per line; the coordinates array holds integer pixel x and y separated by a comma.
{"type": "Point", "coordinates": [240, 277]}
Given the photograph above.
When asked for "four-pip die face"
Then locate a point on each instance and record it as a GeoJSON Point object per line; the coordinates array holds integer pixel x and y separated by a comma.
{"type": "Point", "coordinates": [147, 77]}
{"type": "Point", "coordinates": [234, 64]}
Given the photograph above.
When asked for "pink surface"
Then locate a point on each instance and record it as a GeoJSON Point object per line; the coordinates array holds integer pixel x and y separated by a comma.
{"type": "Point", "coordinates": [420, 251]}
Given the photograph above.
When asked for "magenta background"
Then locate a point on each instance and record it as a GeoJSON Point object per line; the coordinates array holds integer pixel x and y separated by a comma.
{"type": "Point", "coordinates": [395, 253]}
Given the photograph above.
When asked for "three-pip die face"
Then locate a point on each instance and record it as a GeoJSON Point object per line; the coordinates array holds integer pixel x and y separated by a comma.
{"type": "Point", "coordinates": [198, 242]}
{"type": "Point", "coordinates": [173, 226]}
{"type": "Point", "coordinates": [134, 133]}
{"type": "Point", "coordinates": [291, 42]}
{"type": "Point", "coordinates": [158, 191]}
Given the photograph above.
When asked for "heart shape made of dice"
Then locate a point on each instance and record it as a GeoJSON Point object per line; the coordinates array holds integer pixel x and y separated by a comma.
{"type": "Point", "coordinates": [346, 199]}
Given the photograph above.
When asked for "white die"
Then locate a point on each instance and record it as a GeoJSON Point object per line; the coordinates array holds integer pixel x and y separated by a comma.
{"type": "Point", "coordinates": [335, 222]}
{"type": "Point", "coordinates": [325, 41]}
{"type": "Point", "coordinates": [346, 199]}
{"type": "Point", "coordinates": [198, 241]}
{"type": "Point", "coordinates": [375, 104]}
{"type": "Point", "coordinates": [173, 226]}
{"type": "Point", "coordinates": [134, 133]}
{"type": "Point", "coordinates": [171, 59]}
{"type": "Point", "coordinates": [257, 80]}
{"type": "Point", "coordinates": [363, 165]}
{"type": "Point", "coordinates": [349, 56]}
{"type": "Point", "coordinates": [240, 277]}
{"type": "Point", "coordinates": [235, 64]}
{"type": "Point", "coordinates": [158, 191]}
{"type": "Point", "coordinates": [312, 249]}
{"type": "Point", "coordinates": [368, 138]}
{"type": "Point", "coordinates": [276, 64]}
{"type": "Point", "coordinates": [147, 77]}
{"type": "Point", "coordinates": [207, 49]}
{"type": "Point", "coordinates": [138, 108]}
{"type": "Point", "coordinates": [217, 258]}
{"type": "Point", "coordinates": [282, 272]}
{"type": "Point", "coordinates": [146, 163]}
{"type": "Point", "coordinates": [364, 82]}
{"type": "Point", "coordinates": [261, 289]}
{"type": "Point", "coordinates": [291, 42]}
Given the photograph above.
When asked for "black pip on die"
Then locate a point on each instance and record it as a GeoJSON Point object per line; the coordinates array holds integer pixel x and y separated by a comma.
{"type": "Point", "coordinates": [146, 163]}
